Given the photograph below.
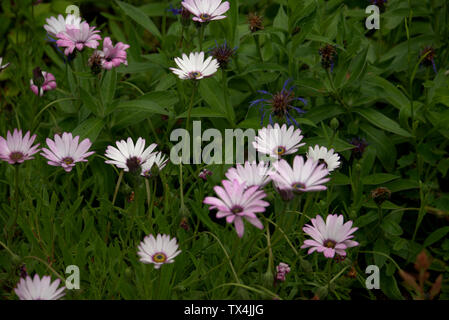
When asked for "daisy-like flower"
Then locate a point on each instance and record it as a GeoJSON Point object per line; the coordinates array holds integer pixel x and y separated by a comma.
{"type": "Point", "coordinates": [65, 151]}
{"type": "Point", "coordinates": [57, 25]}
{"type": "Point", "coordinates": [206, 10]}
{"type": "Point", "coordinates": [38, 86]}
{"type": "Point", "coordinates": [235, 203]}
{"type": "Point", "coordinates": [113, 56]}
{"type": "Point", "coordinates": [17, 148]}
{"type": "Point", "coordinates": [250, 174]}
{"type": "Point", "coordinates": [78, 37]}
{"type": "Point", "coordinates": [128, 156]}
{"type": "Point", "coordinates": [329, 237]}
{"type": "Point", "coordinates": [280, 104]}
{"type": "Point", "coordinates": [303, 177]}
{"type": "Point", "coordinates": [278, 141]}
{"type": "Point", "coordinates": [194, 67]}
{"type": "Point", "coordinates": [159, 250]}
{"type": "Point", "coordinates": [322, 155]}
{"type": "Point", "coordinates": [155, 163]}
{"type": "Point", "coordinates": [3, 66]}
{"type": "Point", "coordinates": [39, 289]}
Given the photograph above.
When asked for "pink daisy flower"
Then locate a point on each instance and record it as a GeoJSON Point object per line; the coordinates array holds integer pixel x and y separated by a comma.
{"type": "Point", "coordinates": [78, 38]}
{"type": "Point", "coordinates": [49, 84]}
{"type": "Point", "coordinates": [206, 10]}
{"type": "Point", "coordinates": [303, 177]}
{"type": "Point", "coordinates": [113, 56]}
{"type": "Point", "coordinates": [39, 289]}
{"type": "Point", "coordinates": [65, 151]}
{"type": "Point", "coordinates": [236, 203]}
{"type": "Point", "coordinates": [329, 237]}
{"type": "Point", "coordinates": [16, 148]}
{"type": "Point", "coordinates": [250, 174]}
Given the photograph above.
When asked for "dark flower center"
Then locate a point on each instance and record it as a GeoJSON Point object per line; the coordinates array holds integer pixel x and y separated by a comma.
{"type": "Point", "coordinates": [280, 150]}
{"type": "Point", "coordinates": [194, 75]}
{"type": "Point", "coordinates": [68, 160]}
{"type": "Point", "coordinates": [281, 102]}
{"type": "Point", "coordinates": [205, 16]}
{"type": "Point", "coordinates": [16, 156]}
{"type": "Point", "coordinates": [159, 257]}
{"type": "Point", "coordinates": [133, 164]}
{"type": "Point", "coordinates": [298, 186]}
{"type": "Point", "coordinates": [329, 243]}
{"type": "Point", "coordinates": [236, 209]}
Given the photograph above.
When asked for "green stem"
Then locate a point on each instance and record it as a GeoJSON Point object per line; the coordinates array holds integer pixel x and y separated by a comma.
{"type": "Point", "coordinates": [117, 186]}
{"type": "Point", "coordinates": [192, 98]}
{"type": "Point", "coordinates": [259, 49]}
{"type": "Point", "coordinates": [201, 36]}
{"type": "Point", "coordinates": [16, 199]}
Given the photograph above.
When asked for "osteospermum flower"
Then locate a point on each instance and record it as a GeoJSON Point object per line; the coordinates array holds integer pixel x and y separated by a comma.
{"type": "Point", "coordinates": [39, 289]}
{"type": "Point", "coordinates": [277, 141]}
{"type": "Point", "coordinates": [235, 203]}
{"type": "Point", "coordinates": [322, 155]}
{"type": "Point", "coordinates": [281, 104]}
{"type": "Point", "coordinates": [113, 56]}
{"type": "Point", "coordinates": [73, 37]}
{"type": "Point", "coordinates": [17, 148]}
{"type": "Point", "coordinates": [155, 163]}
{"type": "Point", "coordinates": [128, 156]}
{"type": "Point", "coordinates": [194, 66]}
{"type": "Point", "coordinates": [65, 151]}
{"type": "Point", "coordinates": [206, 10]}
{"type": "Point", "coordinates": [42, 81]}
{"type": "Point", "coordinates": [303, 177]}
{"type": "Point", "coordinates": [159, 250]}
{"type": "Point", "coordinates": [250, 174]}
{"type": "Point", "coordinates": [3, 66]}
{"type": "Point", "coordinates": [329, 237]}
{"type": "Point", "coordinates": [55, 26]}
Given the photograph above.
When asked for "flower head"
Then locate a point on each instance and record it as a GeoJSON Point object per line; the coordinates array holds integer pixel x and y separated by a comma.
{"type": "Point", "coordinates": [159, 250]}
{"type": "Point", "coordinates": [277, 141]}
{"type": "Point", "coordinates": [329, 237]}
{"type": "Point", "coordinates": [380, 195]}
{"type": "Point", "coordinates": [65, 151]}
{"type": "Point", "coordinates": [204, 174]}
{"type": "Point", "coordinates": [303, 177]}
{"type": "Point", "coordinates": [255, 22]}
{"type": "Point", "coordinates": [39, 289]}
{"type": "Point", "coordinates": [55, 26]}
{"type": "Point", "coordinates": [128, 156]}
{"type": "Point", "coordinates": [78, 37]}
{"type": "Point", "coordinates": [328, 55]}
{"type": "Point", "coordinates": [3, 66]}
{"type": "Point", "coordinates": [206, 10]}
{"type": "Point", "coordinates": [194, 66]}
{"type": "Point", "coordinates": [236, 203]}
{"type": "Point", "coordinates": [360, 145]}
{"type": "Point", "coordinates": [113, 56]}
{"type": "Point", "coordinates": [223, 54]}
{"type": "Point", "coordinates": [280, 104]}
{"type": "Point", "coordinates": [281, 271]}
{"type": "Point", "coordinates": [42, 81]}
{"type": "Point", "coordinates": [251, 174]}
{"type": "Point", "coordinates": [17, 148]}
{"type": "Point", "coordinates": [322, 155]}
{"type": "Point", "coordinates": [155, 163]}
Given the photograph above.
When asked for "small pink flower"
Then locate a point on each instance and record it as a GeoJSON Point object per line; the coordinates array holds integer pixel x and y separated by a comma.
{"type": "Point", "coordinates": [65, 151]}
{"type": "Point", "coordinates": [204, 174]}
{"type": "Point", "coordinates": [236, 203]}
{"type": "Point", "coordinates": [16, 148]}
{"type": "Point", "coordinates": [49, 84]}
{"type": "Point", "coordinates": [78, 38]}
{"type": "Point", "coordinates": [329, 237]}
{"type": "Point", "coordinates": [39, 289]}
{"type": "Point", "coordinates": [281, 271]}
{"type": "Point", "coordinates": [206, 10]}
{"type": "Point", "coordinates": [113, 56]}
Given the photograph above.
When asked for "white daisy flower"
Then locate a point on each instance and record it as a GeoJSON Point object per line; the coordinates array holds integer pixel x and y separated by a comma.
{"type": "Point", "coordinates": [278, 141]}
{"type": "Point", "coordinates": [251, 174]}
{"type": "Point", "coordinates": [37, 289]}
{"type": "Point", "coordinates": [206, 10]}
{"type": "Point", "coordinates": [159, 250]}
{"type": "Point", "coordinates": [128, 156]}
{"type": "Point", "coordinates": [322, 155]}
{"type": "Point", "coordinates": [194, 66]}
{"type": "Point", "coordinates": [3, 66]}
{"type": "Point", "coordinates": [55, 26]}
{"type": "Point", "coordinates": [157, 159]}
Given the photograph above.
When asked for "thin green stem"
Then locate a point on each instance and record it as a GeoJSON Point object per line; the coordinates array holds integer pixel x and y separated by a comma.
{"type": "Point", "coordinates": [259, 49]}
{"type": "Point", "coordinates": [16, 199]}
{"type": "Point", "coordinates": [192, 98]}
{"type": "Point", "coordinates": [117, 186]}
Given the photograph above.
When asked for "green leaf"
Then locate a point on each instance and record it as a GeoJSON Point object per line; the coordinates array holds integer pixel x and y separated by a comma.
{"type": "Point", "coordinates": [436, 235]}
{"type": "Point", "coordinates": [108, 86]}
{"type": "Point", "coordinates": [158, 102]}
{"type": "Point", "coordinates": [381, 121]}
{"type": "Point", "coordinates": [138, 16]}
{"type": "Point", "coordinates": [380, 246]}
{"type": "Point", "coordinates": [385, 149]}
{"type": "Point", "coordinates": [281, 20]}
{"type": "Point", "coordinates": [378, 178]}
{"type": "Point", "coordinates": [391, 227]}
{"type": "Point", "coordinates": [90, 128]}
{"type": "Point", "coordinates": [88, 101]}
{"type": "Point", "coordinates": [202, 113]}
{"type": "Point", "coordinates": [210, 91]}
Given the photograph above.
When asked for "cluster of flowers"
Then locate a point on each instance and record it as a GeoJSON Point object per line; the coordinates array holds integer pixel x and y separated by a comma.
{"type": "Point", "coordinates": [281, 271]}
{"type": "Point", "coordinates": [243, 194]}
